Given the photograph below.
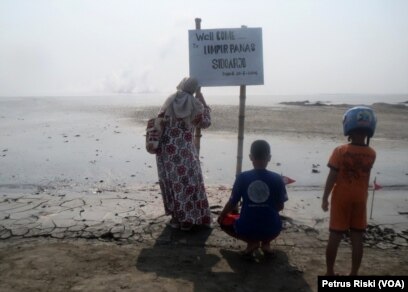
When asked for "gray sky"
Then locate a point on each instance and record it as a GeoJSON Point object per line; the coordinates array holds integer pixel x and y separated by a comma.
{"type": "Point", "coordinates": [64, 47]}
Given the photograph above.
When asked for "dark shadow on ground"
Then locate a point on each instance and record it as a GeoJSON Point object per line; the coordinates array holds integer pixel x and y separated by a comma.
{"type": "Point", "coordinates": [264, 273]}
{"type": "Point", "coordinates": [184, 258]}
{"type": "Point", "coordinates": [181, 256]}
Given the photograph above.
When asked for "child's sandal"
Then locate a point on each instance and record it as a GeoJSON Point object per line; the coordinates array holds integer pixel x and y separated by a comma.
{"type": "Point", "coordinates": [269, 254]}
{"type": "Point", "coordinates": [247, 255]}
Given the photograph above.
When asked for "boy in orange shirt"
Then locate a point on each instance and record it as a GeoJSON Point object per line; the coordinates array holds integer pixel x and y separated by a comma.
{"type": "Point", "coordinates": [350, 166]}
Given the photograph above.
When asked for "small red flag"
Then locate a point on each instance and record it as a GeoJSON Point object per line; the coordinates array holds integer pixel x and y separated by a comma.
{"type": "Point", "coordinates": [377, 186]}
{"type": "Point", "coordinates": [287, 180]}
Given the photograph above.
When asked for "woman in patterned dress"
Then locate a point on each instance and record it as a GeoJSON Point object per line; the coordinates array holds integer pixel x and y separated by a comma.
{"type": "Point", "coordinates": [178, 164]}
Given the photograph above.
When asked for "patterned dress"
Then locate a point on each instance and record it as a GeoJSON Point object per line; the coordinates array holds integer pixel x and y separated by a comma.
{"type": "Point", "coordinates": [180, 176]}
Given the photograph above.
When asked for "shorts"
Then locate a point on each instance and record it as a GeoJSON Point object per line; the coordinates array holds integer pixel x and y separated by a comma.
{"type": "Point", "coordinates": [227, 225]}
{"type": "Point", "coordinates": [346, 216]}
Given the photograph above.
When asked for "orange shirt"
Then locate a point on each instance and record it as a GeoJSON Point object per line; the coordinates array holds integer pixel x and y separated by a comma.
{"type": "Point", "coordinates": [353, 163]}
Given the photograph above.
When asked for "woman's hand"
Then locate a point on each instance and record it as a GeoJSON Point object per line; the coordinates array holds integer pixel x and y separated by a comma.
{"type": "Point", "coordinates": [200, 97]}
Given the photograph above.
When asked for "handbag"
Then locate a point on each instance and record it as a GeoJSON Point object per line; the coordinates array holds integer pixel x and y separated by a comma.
{"type": "Point", "coordinates": [154, 131]}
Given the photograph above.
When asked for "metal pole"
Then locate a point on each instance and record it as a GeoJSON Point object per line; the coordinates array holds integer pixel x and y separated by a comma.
{"type": "Point", "coordinates": [197, 135]}
{"type": "Point", "coordinates": [241, 124]}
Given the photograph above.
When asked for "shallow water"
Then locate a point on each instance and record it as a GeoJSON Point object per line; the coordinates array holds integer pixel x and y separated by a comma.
{"type": "Point", "coordinates": [87, 141]}
{"type": "Point", "coordinates": [87, 145]}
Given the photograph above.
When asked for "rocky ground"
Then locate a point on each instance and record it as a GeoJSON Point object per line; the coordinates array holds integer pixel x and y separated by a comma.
{"type": "Point", "coordinates": [120, 242]}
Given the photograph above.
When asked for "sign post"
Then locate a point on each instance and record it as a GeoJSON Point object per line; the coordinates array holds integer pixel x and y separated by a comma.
{"type": "Point", "coordinates": [227, 57]}
{"type": "Point", "coordinates": [197, 135]}
{"type": "Point", "coordinates": [241, 124]}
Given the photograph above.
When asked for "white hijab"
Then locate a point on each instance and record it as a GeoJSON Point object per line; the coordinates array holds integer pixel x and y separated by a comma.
{"type": "Point", "coordinates": [182, 104]}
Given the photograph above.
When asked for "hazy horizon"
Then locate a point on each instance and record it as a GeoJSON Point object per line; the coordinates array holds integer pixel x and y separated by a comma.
{"type": "Point", "coordinates": [157, 99]}
{"type": "Point", "coordinates": [87, 47]}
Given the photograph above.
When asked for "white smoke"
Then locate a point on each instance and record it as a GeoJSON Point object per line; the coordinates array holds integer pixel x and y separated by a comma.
{"type": "Point", "coordinates": [127, 81]}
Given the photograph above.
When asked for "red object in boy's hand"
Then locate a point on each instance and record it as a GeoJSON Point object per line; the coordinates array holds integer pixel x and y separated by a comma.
{"type": "Point", "coordinates": [229, 219]}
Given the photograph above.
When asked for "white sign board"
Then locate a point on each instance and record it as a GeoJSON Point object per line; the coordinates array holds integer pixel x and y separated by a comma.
{"type": "Point", "coordinates": [222, 57]}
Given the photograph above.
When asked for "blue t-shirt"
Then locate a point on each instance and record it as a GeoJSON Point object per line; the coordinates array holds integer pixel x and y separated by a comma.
{"type": "Point", "coordinates": [262, 191]}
